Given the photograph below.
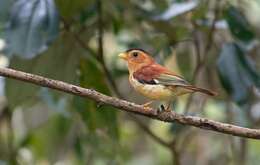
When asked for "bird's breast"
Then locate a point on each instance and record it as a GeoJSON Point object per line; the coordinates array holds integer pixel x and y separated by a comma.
{"type": "Point", "coordinates": [152, 91]}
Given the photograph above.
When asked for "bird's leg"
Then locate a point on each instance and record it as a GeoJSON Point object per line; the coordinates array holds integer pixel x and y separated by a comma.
{"type": "Point", "coordinates": [161, 108]}
{"type": "Point", "coordinates": [146, 105]}
{"type": "Point", "coordinates": [168, 108]}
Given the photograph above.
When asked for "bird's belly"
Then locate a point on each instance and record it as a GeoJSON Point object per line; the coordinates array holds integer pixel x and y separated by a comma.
{"type": "Point", "coordinates": [153, 91]}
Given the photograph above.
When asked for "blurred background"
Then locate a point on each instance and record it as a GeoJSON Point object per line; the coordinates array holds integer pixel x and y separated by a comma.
{"type": "Point", "coordinates": [212, 43]}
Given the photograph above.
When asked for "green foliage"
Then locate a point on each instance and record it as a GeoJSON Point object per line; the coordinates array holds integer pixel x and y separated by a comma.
{"type": "Point", "coordinates": [4, 10]}
{"type": "Point", "coordinates": [32, 26]}
{"type": "Point", "coordinates": [70, 8]}
{"type": "Point", "coordinates": [238, 24]}
{"type": "Point", "coordinates": [239, 79]}
{"type": "Point", "coordinates": [45, 146]}
{"type": "Point", "coordinates": [59, 62]}
{"type": "Point", "coordinates": [101, 122]}
{"type": "Point", "coordinates": [184, 60]}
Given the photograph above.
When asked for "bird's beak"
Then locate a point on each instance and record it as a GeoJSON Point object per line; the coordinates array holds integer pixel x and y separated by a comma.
{"type": "Point", "coordinates": [123, 56]}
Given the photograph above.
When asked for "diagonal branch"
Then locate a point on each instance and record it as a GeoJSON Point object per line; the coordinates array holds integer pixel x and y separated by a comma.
{"type": "Point", "coordinates": [123, 105]}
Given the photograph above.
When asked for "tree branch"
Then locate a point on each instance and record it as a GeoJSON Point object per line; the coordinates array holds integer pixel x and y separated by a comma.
{"type": "Point", "coordinates": [123, 105]}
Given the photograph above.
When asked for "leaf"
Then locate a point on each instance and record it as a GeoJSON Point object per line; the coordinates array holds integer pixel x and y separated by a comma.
{"type": "Point", "coordinates": [177, 128]}
{"type": "Point", "coordinates": [174, 33]}
{"type": "Point", "coordinates": [185, 63]}
{"type": "Point", "coordinates": [239, 25]}
{"type": "Point", "coordinates": [159, 5]}
{"type": "Point", "coordinates": [237, 73]}
{"type": "Point", "coordinates": [48, 140]}
{"type": "Point", "coordinates": [97, 119]}
{"type": "Point", "coordinates": [5, 6]}
{"type": "Point", "coordinates": [59, 62]}
{"type": "Point", "coordinates": [176, 9]}
{"type": "Point", "coordinates": [70, 8]}
{"type": "Point", "coordinates": [92, 77]}
{"type": "Point", "coordinates": [32, 26]}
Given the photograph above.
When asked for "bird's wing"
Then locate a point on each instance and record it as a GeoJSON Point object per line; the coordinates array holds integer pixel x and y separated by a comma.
{"type": "Point", "coordinates": [156, 74]}
{"type": "Point", "coordinates": [171, 80]}
{"type": "Point", "coordinates": [177, 81]}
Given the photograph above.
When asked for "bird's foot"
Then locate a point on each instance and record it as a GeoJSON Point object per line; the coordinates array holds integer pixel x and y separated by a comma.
{"type": "Point", "coordinates": [163, 109]}
{"type": "Point", "coordinates": [168, 109]}
{"type": "Point", "coordinates": [146, 105]}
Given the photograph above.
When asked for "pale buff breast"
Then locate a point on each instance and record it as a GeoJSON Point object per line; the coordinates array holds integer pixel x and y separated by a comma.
{"type": "Point", "coordinates": [155, 92]}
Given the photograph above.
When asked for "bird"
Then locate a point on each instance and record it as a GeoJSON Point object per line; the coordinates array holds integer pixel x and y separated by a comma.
{"type": "Point", "coordinates": [155, 81]}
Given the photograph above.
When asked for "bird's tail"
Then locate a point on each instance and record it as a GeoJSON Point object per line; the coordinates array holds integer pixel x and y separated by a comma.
{"type": "Point", "coordinates": [202, 90]}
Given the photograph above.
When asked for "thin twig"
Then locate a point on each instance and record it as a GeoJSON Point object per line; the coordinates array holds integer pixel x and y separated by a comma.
{"type": "Point", "coordinates": [124, 105]}
{"type": "Point", "coordinates": [150, 133]}
{"type": "Point", "coordinates": [101, 50]}
{"type": "Point", "coordinates": [100, 31]}
{"type": "Point", "coordinates": [78, 39]}
{"type": "Point", "coordinates": [175, 153]}
{"type": "Point", "coordinates": [212, 29]}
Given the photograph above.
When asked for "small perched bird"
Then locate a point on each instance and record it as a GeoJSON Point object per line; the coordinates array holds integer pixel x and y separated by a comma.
{"type": "Point", "coordinates": [155, 81]}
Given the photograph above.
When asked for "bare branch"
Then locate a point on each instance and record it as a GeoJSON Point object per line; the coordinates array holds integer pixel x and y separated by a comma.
{"type": "Point", "coordinates": [123, 105]}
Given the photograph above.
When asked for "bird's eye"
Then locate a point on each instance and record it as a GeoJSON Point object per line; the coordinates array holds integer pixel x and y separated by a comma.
{"type": "Point", "coordinates": [135, 54]}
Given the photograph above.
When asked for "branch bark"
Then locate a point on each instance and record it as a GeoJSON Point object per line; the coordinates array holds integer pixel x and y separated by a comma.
{"type": "Point", "coordinates": [123, 105]}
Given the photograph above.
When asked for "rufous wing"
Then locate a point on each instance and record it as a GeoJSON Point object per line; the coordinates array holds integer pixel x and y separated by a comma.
{"type": "Point", "coordinates": [156, 74]}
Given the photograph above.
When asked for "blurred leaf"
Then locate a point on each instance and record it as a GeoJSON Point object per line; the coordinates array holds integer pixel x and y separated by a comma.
{"type": "Point", "coordinates": [100, 121]}
{"type": "Point", "coordinates": [49, 140]}
{"type": "Point", "coordinates": [174, 33]}
{"type": "Point", "coordinates": [238, 25]}
{"type": "Point", "coordinates": [112, 14]}
{"type": "Point", "coordinates": [96, 117]}
{"type": "Point", "coordinates": [200, 12]}
{"type": "Point", "coordinates": [89, 13]}
{"type": "Point", "coordinates": [237, 73]}
{"type": "Point", "coordinates": [176, 9]}
{"type": "Point", "coordinates": [57, 104]}
{"type": "Point", "coordinates": [5, 6]}
{"type": "Point", "coordinates": [78, 147]}
{"type": "Point", "coordinates": [160, 5]}
{"type": "Point", "coordinates": [32, 26]}
{"type": "Point", "coordinates": [177, 128]}
{"type": "Point", "coordinates": [117, 25]}
{"type": "Point", "coordinates": [59, 62]}
{"type": "Point", "coordinates": [70, 8]}
{"type": "Point", "coordinates": [185, 64]}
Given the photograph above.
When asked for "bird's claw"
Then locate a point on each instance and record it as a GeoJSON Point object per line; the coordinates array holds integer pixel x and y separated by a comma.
{"type": "Point", "coordinates": [163, 109]}
{"type": "Point", "coordinates": [146, 105]}
{"type": "Point", "coordinates": [146, 108]}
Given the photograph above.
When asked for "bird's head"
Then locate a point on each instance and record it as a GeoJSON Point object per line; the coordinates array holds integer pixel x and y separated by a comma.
{"type": "Point", "coordinates": [136, 59]}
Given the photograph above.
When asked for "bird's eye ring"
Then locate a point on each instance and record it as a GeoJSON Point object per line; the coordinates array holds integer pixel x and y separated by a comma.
{"type": "Point", "coordinates": [135, 54]}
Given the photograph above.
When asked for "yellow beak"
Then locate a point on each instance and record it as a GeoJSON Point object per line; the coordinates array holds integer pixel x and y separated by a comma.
{"type": "Point", "coordinates": [123, 56]}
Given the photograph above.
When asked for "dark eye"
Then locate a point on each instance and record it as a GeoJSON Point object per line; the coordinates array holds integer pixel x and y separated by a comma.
{"type": "Point", "coordinates": [135, 54]}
